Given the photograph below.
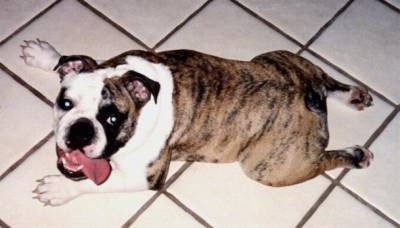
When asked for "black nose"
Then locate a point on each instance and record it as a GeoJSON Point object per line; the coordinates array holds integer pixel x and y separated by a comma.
{"type": "Point", "coordinates": [81, 134]}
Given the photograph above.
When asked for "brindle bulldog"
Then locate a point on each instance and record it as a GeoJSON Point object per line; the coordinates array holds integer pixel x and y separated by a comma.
{"type": "Point", "coordinates": [119, 123]}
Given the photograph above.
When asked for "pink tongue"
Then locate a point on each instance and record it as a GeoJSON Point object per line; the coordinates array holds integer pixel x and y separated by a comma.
{"type": "Point", "coordinates": [97, 170]}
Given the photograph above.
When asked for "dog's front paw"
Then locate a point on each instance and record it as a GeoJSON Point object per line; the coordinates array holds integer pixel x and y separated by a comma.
{"type": "Point", "coordinates": [360, 98]}
{"type": "Point", "coordinates": [55, 190]}
{"type": "Point", "coordinates": [40, 54]}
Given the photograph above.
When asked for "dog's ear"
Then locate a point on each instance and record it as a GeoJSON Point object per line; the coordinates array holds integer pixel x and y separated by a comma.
{"type": "Point", "coordinates": [74, 63]}
{"type": "Point", "coordinates": [140, 87]}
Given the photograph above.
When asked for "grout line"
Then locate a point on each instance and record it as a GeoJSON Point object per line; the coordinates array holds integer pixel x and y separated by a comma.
{"type": "Point", "coordinates": [344, 73]}
{"type": "Point", "coordinates": [367, 144]}
{"type": "Point", "coordinates": [317, 204]}
{"type": "Point", "coordinates": [390, 5]}
{"type": "Point", "coordinates": [176, 175]}
{"type": "Point", "coordinates": [369, 205]}
{"type": "Point", "coordinates": [26, 155]}
{"type": "Point", "coordinates": [178, 27]}
{"type": "Point", "coordinates": [3, 224]}
{"type": "Point", "coordinates": [373, 137]}
{"type": "Point", "coordinates": [197, 217]}
{"type": "Point", "coordinates": [335, 67]}
{"type": "Point", "coordinates": [382, 127]}
{"type": "Point", "coordinates": [325, 26]}
{"type": "Point", "coordinates": [336, 182]}
{"type": "Point", "coordinates": [142, 209]}
{"type": "Point", "coordinates": [145, 206]}
{"type": "Point", "coordinates": [23, 83]}
{"type": "Point", "coordinates": [29, 22]}
{"type": "Point", "coordinates": [114, 24]}
{"type": "Point", "coordinates": [269, 24]}
{"type": "Point", "coordinates": [327, 176]}
{"type": "Point", "coordinates": [322, 198]}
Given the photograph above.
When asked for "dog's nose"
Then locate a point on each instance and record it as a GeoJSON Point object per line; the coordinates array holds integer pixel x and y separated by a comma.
{"type": "Point", "coordinates": [81, 134]}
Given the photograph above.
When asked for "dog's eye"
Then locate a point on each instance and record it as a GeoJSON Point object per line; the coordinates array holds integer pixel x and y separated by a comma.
{"type": "Point", "coordinates": [112, 119]}
{"type": "Point", "coordinates": [65, 104]}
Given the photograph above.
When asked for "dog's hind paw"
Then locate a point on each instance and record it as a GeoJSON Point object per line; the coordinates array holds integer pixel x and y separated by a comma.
{"type": "Point", "coordinates": [360, 98]}
{"type": "Point", "coordinates": [362, 156]}
{"type": "Point", "coordinates": [40, 54]}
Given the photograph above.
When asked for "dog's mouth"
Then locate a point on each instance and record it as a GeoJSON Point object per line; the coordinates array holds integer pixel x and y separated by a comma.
{"type": "Point", "coordinates": [77, 166]}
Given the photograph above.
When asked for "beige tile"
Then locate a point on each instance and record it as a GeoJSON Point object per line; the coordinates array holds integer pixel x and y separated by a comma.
{"type": "Point", "coordinates": [173, 167]}
{"type": "Point", "coordinates": [225, 197]}
{"type": "Point", "coordinates": [365, 42]}
{"type": "Point", "coordinates": [24, 121]}
{"type": "Point", "coordinates": [150, 21]}
{"type": "Point", "coordinates": [342, 210]}
{"type": "Point", "coordinates": [14, 14]}
{"type": "Point", "coordinates": [300, 19]}
{"type": "Point", "coordinates": [395, 3]}
{"type": "Point", "coordinates": [96, 210]}
{"type": "Point", "coordinates": [165, 213]}
{"type": "Point", "coordinates": [379, 184]}
{"type": "Point", "coordinates": [72, 29]}
{"type": "Point", "coordinates": [224, 29]}
{"type": "Point", "coordinates": [347, 126]}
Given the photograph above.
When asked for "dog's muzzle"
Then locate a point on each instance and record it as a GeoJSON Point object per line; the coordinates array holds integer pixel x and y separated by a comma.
{"type": "Point", "coordinates": [73, 162]}
{"type": "Point", "coordinates": [77, 166]}
{"type": "Point", "coordinates": [81, 134]}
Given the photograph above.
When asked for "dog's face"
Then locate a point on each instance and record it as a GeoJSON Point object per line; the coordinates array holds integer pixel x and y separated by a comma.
{"type": "Point", "coordinates": [96, 112]}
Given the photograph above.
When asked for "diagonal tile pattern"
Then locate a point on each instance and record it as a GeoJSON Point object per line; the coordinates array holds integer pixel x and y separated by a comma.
{"type": "Point", "coordinates": [364, 41]}
{"type": "Point", "coordinates": [359, 45]}
{"type": "Point", "coordinates": [302, 19]}
{"type": "Point", "coordinates": [15, 14]}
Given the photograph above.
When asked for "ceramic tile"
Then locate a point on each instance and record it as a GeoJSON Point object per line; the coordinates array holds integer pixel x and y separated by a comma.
{"type": "Point", "coordinates": [395, 3]}
{"type": "Point", "coordinates": [150, 21]}
{"type": "Point", "coordinates": [82, 33]}
{"type": "Point", "coordinates": [301, 19]}
{"type": "Point", "coordinates": [379, 184]}
{"type": "Point", "coordinates": [173, 167]}
{"type": "Point", "coordinates": [344, 123]}
{"type": "Point", "coordinates": [24, 121]}
{"type": "Point", "coordinates": [225, 197]}
{"type": "Point", "coordinates": [20, 210]}
{"type": "Point", "coordinates": [14, 14]}
{"type": "Point", "coordinates": [364, 41]}
{"type": "Point", "coordinates": [164, 211]}
{"type": "Point", "coordinates": [224, 29]}
{"type": "Point", "coordinates": [342, 210]}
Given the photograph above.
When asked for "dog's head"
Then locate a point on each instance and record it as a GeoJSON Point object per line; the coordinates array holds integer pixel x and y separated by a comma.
{"type": "Point", "coordinates": [96, 112]}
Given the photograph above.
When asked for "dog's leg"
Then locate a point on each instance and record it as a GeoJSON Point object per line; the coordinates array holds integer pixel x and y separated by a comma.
{"type": "Point", "coordinates": [126, 176]}
{"type": "Point", "coordinates": [352, 157]}
{"type": "Point", "coordinates": [356, 97]}
{"type": "Point", "coordinates": [56, 190]}
{"type": "Point", "coordinates": [40, 54]}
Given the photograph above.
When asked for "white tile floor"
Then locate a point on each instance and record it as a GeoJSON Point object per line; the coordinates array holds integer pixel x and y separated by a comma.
{"type": "Point", "coordinates": [357, 42]}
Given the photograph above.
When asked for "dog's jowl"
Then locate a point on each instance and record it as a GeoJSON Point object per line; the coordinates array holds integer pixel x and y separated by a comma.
{"type": "Point", "coordinates": [119, 122]}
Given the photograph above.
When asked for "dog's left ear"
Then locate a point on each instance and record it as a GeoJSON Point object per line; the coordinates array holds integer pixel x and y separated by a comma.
{"type": "Point", "coordinates": [140, 87]}
{"type": "Point", "coordinates": [74, 63]}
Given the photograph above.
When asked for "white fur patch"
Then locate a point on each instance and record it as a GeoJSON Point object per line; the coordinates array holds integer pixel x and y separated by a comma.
{"type": "Point", "coordinates": [154, 124]}
{"type": "Point", "coordinates": [84, 90]}
{"type": "Point", "coordinates": [40, 54]}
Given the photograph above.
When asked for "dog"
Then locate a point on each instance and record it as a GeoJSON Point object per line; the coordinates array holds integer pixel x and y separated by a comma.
{"type": "Point", "coordinates": [119, 122]}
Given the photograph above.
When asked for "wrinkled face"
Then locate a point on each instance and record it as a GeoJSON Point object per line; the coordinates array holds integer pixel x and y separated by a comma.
{"type": "Point", "coordinates": [96, 114]}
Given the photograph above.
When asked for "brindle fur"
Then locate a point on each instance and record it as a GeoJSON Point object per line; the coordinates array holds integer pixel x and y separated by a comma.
{"type": "Point", "coordinates": [268, 113]}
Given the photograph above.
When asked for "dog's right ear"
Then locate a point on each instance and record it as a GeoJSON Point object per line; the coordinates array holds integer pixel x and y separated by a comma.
{"type": "Point", "coordinates": [74, 63]}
